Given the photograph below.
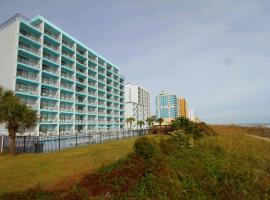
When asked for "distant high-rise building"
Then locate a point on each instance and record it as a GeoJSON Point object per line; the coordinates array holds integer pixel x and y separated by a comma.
{"type": "Point", "coordinates": [167, 106]}
{"type": "Point", "coordinates": [183, 110]}
{"type": "Point", "coordinates": [137, 103]}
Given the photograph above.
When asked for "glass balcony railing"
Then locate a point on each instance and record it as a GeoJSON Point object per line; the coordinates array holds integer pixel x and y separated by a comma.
{"type": "Point", "coordinates": [80, 121]}
{"type": "Point", "coordinates": [30, 62]}
{"type": "Point", "coordinates": [48, 94]}
{"type": "Point", "coordinates": [66, 120]}
{"type": "Point", "coordinates": [51, 58]}
{"type": "Point", "coordinates": [92, 59]}
{"type": "Point", "coordinates": [54, 36]}
{"type": "Point", "coordinates": [66, 98]}
{"type": "Point", "coordinates": [30, 36]}
{"type": "Point", "coordinates": [29, 48]}
{"type": "Point", "coordinates": [26, 89]}
{"type": "Point", "coordinates": [67, 44]}
{"type": "Point", "coordinates": [80, 111]}
{"type": "Point", "coordinates": [52, 47]}
{"type": "Point", "coordinates": [51, 83]}
{"type": "Point", "coordinates": [28, 76]}
{"type": "Point", "coordinates": [67, 65]}
{"type": "Point", "coordinates": [49, 69]}
{"type": "Point", "coordinates": [68, 87]}
{"type": "Point", "coordinates": [48, 120]}
{"type": "Point", "coordinates": [67, 55]}
{"type": "Point", "coordinates": [46, 107]}
{"type": "Point", "coordinates": [67, 109]}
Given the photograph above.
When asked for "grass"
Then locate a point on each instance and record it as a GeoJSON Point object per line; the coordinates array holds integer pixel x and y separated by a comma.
{"type": "Point", "coordinates": [46, 170]}
{"type": "Point", "coordinates": [231, 165]}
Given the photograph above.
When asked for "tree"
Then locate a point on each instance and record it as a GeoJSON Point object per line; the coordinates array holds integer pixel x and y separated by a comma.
{"type": "Point", "coordinates": [130, 120]}
{"type": "Point", "coordinates": [160, 121]}
{"type": "Point", "coordinates": [150, 121]}
{"type": "Point", "coordinates": [140, 123]}
{"type": "Point", "coordinates": [15, 115]}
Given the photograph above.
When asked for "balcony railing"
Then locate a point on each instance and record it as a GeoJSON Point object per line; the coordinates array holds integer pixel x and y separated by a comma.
{"type": "Point", "coordinates": [48, 120]}
{"type": "Point", "coordinates": [28, 62]}
{"type": "Point", "coordinates": [51, 83]}
{"type": "Point", "coordinates": [67, 55]}
{"type": "Point", "coordinates": [66, 98]}
{"type": "Point", "coordinates": [92, 59]}
{"type": "Point", "coordinates": [28, 76]}
{"type": "Point", "coordinates": [68, 109]}
{"type": "Point", "coordinates": [67, 44]}
{"type": "Point", "coordinates": [51, 35]}
{"type": "Point", "coordinates": [80, 111]}
{"type": "Point", "coordinates": [50, 58]}
{"type": "Point", "coordinates": [28, 35]}
{"type": "Point", "coordinates": [45, 107]}
{"type": "Point", "coordinates": [51, 95]}
{"type": "Point", "coordinates": [66, 120]}
{"type": "Point", "coordinates": [80, 121]}
{"type": "Point", "coordinates": [52, 47]}
{"type": "Point", "coordinates": [68, 87]}
{"type": "Point", "coordinates": [49, 69]}
{"type": "Point", "coordinates": [26, 90]}
{"type": "Point", "coordinates": [29, 48]}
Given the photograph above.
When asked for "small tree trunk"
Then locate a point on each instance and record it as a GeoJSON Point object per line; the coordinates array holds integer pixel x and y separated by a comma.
{"type": "Point", "coordinates": [12, 141]}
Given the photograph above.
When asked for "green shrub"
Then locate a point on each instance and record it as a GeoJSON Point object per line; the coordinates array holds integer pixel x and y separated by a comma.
{"type": "Point", "coordinates": [146, 147]}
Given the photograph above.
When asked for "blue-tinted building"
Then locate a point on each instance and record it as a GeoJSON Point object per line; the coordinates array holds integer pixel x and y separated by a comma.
{"type": "Point", "coordinates": [166, 106]}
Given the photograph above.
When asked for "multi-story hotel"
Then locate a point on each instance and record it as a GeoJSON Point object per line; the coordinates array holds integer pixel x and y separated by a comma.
{"type": "Point", "coordinates": [73, 88]}
{"type": "Point", "coordinates": [167, 106]}
{"type": "Point", "coordinates": [137, 103]}
{"type": "Point", "coordinates": [183, 109]}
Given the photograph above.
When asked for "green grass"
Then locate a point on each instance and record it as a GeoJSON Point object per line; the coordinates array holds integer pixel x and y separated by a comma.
{"type": "Point", "coordinates": [25, 171]}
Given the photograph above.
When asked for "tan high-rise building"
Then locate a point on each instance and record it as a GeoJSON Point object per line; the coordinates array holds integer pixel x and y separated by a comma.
{"type": "Point", "coordinates": [183, 110]}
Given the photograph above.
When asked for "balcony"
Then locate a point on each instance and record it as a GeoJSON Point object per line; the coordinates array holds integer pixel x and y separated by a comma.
{"type": "Point", "coordinates": [50, 46]}
{"type": "Point", "coordinates": [50, 83]}
{"type": "Point", "coordinates": [30, 36]}
{"type": "Point", "coordinates": [51, 58]}
{"type": "Point", "coordinates": [49, 107]}
{"type": "Point", "coordinates": [28, 61]}
{"type": "Point", "coordinates": [48, 120]}
{"type": "Point", "coordinates": [52, 35]}
{"type": "Point", "coordinates": [49, 69]}
{"type": "Point", "coordinates": [80, 110]}
{"type": "Point", "coordinates": [26, 89]}
{"type": "Point", "coordinates": [67, 55]}
{"type": "Point", "coordinates": [66, 108]}
{"type": "Point", "coordinates": [26, 75]}
{"type": "Point", "coordinates": [79, 100]}
{"type": "Point", "coordinates": [29, 48]}
{"type": "Point", "coordinates": [49, 94]}
{"type": "Point", "coordinates": [66, 86]}
{"type": "Point", "coordinates": [67, 44]}
{"type": "Point", "coordinates": [80, 121]}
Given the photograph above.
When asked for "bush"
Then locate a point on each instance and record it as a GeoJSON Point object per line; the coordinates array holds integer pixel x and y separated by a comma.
{"type": "Point", "coordinates": [146, 147]}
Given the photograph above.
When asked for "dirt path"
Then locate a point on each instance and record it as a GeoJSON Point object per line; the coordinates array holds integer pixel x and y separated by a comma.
{"type": "Point", "coordinates": [259, 137]}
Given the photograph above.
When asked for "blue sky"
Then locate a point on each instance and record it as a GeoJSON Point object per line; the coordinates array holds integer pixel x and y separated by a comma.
{"type": "Point", "coordinates": [214, 53]}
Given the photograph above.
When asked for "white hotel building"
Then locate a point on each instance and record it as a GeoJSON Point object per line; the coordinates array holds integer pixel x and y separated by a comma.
{"type": "Point", "coordinates": [137, 103]}
{"type": "Point", "coordinates": [73, 88]}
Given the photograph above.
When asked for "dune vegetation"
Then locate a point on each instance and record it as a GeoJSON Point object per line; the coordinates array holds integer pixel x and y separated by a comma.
{"type": "Point", "coordinates": [187, 164]}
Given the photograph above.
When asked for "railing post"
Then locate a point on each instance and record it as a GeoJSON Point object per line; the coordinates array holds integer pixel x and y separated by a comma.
{"type": "Point", "coordinates": [24, 139]}
{"type": "Point", "coordinates": [76, 138]}
{"type": "Point", "coordinates": [100, 137]}
{"type": "Point", "coordinates": [89, 138]}
{"type": "Point", "coordinates": [109, 135]}
{"type": "Point", "coordinates": [59, 145]}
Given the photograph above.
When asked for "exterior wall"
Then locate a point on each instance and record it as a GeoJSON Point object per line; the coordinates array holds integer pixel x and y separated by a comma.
{"type": "Point", "coordinates": [73, 88]}
{"type": "Point", "coordinates": [137, 104]}
{"type": "Point", "coordinates": [8, 53]}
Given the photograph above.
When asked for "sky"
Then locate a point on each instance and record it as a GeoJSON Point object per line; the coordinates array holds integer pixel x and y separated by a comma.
{"type": "Point", "coordinates": [215, 53]}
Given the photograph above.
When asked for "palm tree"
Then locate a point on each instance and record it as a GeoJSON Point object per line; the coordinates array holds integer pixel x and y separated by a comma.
{"type": "Point", "coordinates": [150, 121]}
{"type": "Point", "coordinates": [15, 115]}
{"type": "Point", "coordinates": [140, 123]}
{"type": "Point", "coordinates": [130, 120]}
{"type": "Point", "coordinates": [160, 121]}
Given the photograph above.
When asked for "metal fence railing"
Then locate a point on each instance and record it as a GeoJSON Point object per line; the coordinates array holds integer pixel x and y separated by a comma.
{"type": "Point", "coordinates": [39, 144]}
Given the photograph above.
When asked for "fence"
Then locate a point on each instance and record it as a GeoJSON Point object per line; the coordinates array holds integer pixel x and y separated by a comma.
{"type": "Point", "coordinates": [39, 144]}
